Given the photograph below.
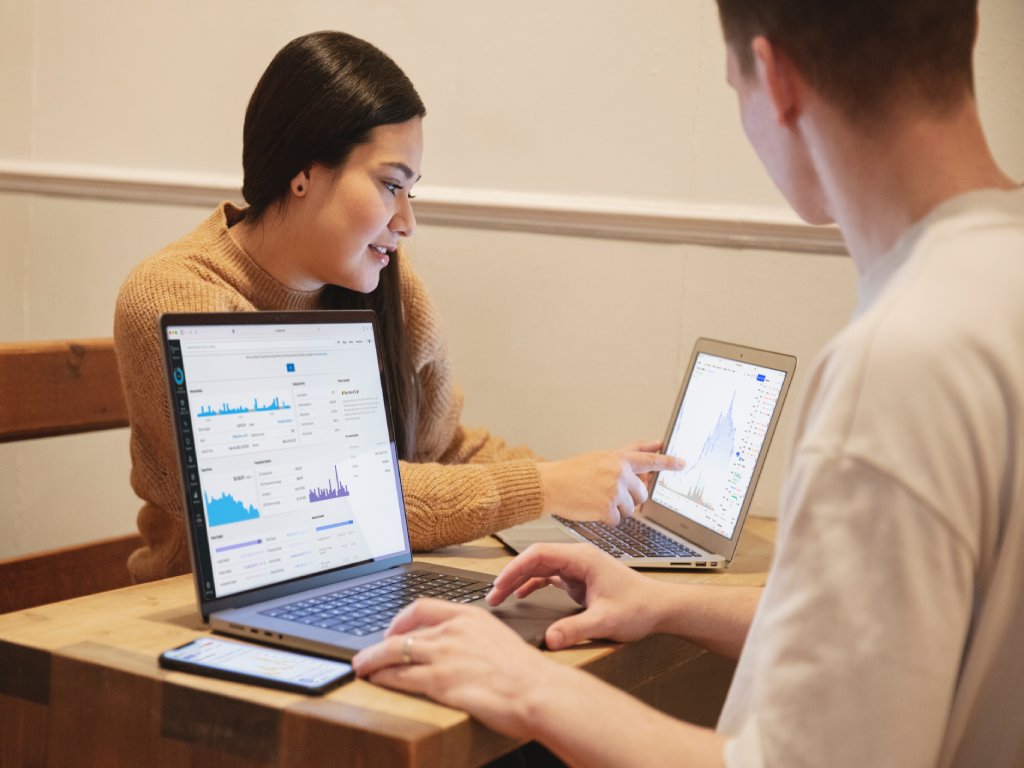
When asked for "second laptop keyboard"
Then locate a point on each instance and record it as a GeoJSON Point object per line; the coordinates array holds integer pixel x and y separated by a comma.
{"type": "Point", "coordinates": [368, 608]}
{"type": "Point", "coordinates": [630, 537]}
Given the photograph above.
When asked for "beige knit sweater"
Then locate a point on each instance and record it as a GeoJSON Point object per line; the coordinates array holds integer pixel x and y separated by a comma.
{"type": "Point", "coordinates": [463, 484]}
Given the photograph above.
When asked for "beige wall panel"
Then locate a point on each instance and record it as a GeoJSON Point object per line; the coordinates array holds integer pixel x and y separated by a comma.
{"type": "Point", "coordinates": [81, 252]}
{"type": "Point", "coordinates": [59, 491]}
{"type": "Point", "coordinates": [14, 249]}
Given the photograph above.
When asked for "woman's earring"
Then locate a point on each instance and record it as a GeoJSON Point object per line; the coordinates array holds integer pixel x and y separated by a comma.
{"type": "Point", "coordinates": [298, 188]}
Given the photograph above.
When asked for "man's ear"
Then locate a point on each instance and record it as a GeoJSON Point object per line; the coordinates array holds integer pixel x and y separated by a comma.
{"type": "Point", "coordinates": [783, 82]}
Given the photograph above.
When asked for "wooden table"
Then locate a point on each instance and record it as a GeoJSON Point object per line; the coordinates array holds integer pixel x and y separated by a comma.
{"type": "Point", "coordinates": [80, 686]}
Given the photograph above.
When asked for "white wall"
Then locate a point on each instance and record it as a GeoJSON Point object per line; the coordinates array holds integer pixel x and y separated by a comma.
{"type": "Point", "coordinates": [585, 343]}
{"type": "Point", "coordinates": [565, 343]}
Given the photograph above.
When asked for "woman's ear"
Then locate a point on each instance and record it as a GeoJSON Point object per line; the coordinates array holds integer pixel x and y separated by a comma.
{"type": "Point", "coordinates": [300, 183]}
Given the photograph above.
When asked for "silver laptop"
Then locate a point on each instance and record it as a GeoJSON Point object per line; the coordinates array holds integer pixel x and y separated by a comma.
{"type": "Point", "coordinates": [722, 425]}
{"type": "Point", "coordinates": [292, 493]}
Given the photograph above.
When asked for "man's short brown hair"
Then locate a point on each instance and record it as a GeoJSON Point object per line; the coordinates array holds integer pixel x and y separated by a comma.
{"type": "Point", "coordinates": [864, 55]}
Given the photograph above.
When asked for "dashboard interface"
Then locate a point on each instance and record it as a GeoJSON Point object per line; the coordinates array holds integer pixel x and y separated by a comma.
{"type": "Point", "coordinates": [289, 465]}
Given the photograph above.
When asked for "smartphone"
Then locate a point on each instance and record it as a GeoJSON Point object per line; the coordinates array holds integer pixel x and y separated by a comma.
{"type": "Point", "coordinates": [255, 664]}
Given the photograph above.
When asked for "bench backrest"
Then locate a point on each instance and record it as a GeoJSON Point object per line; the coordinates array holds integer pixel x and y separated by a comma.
{"type": "Point", "coordinates": [52, 388]}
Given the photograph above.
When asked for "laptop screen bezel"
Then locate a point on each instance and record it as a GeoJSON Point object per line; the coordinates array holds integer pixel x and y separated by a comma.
{"type": "Point", "coordinates": [196, 536]}
{"type": "Point", "coordinates": [711, 541]}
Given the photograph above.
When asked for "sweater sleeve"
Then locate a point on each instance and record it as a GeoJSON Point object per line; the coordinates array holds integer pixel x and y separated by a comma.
{"type": "Point", "coordinates": [453, 503]}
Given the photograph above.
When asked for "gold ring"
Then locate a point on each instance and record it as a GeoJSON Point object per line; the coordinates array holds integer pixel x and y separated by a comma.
{"type": "Point", "coordinates": [407, 650]}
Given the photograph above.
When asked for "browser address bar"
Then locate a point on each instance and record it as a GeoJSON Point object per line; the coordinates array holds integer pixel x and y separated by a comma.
{"type": "Point", "coordinates": [265, 345]}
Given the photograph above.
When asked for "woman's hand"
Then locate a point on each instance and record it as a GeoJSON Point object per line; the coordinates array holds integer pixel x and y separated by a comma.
{"type": "Point", "coordinates": [603, 485]}
{"type": "Point", "coordinates": [620, 603]}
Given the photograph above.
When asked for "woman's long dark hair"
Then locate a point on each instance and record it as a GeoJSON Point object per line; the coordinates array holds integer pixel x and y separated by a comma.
{"type": "Point", "coordinates": [319, 98]}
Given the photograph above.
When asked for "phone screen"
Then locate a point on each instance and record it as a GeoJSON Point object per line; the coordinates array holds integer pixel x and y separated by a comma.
{"type": "Point", "coordinates": [256, 664]}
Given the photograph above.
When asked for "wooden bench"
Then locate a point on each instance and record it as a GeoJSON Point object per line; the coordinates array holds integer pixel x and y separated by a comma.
{"type": "Point", "coordinates": [53, 388]}
{"type": "Point", "coordinates": [59, 388]}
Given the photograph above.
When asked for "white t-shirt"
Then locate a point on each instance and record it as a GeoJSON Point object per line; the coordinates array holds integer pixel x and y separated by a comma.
{"type": "Point", "coordinates": [891, 631]}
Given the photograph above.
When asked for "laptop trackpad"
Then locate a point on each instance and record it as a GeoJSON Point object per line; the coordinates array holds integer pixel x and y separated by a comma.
{"type": "Point", "coordinates": [544, 529]}
{"type": "Point", "coordinates": [531, 617]}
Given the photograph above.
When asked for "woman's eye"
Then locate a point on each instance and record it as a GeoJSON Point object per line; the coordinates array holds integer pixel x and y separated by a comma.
{"type": "Point", "coordinates": [392, 187]}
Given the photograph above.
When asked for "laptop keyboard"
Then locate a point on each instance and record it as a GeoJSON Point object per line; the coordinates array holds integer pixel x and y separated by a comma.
{"type": "Point", "coordinates": [630, 537]}
{"type": "Point", "coordinates": [369, 608]}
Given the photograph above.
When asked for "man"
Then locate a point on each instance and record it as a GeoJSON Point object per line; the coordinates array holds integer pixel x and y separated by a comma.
{"type": "Point", "coordinates": [889, 632]}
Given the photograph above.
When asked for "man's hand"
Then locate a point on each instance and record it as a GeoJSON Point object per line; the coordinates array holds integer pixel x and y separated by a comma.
{"type": "Point", "coordinates": [620, 603]}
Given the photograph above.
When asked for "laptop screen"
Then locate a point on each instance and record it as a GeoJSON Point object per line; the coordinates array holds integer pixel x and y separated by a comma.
{"type": "Point", "coordinates": [289, 462]}
{"type": "Point", "coordinates": [720, 430]}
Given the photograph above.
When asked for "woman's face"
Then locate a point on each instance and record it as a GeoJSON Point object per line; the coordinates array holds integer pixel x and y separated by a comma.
{"type": "Point", "coordinates": [353, 216]}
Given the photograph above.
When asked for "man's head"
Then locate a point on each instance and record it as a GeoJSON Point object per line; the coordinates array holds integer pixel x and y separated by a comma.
{"type": "Point", "coordinates": [868, 63]}
{"type": "Point", "coordinates": [864, 56]}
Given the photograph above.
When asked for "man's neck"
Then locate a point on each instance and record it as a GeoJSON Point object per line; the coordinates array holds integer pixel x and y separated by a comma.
{"type": "Point", "coordinates": [879, 182]}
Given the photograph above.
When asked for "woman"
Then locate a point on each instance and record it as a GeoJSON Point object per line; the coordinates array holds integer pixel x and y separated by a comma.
{"type": "Point", "coordinates": [332, 145]}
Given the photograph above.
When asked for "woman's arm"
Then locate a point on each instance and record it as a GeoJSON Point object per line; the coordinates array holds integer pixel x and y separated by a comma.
{"type": "Point", "coordinates": [451, 504]}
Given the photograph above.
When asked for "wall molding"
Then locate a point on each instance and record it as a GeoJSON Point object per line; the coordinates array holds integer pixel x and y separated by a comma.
{"type": "Point", "coordinates": [627, 219]}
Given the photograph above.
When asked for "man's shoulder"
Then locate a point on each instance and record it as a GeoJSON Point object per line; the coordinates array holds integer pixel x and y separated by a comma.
{"type": "Point", "coordinates": [958, 293]}
{"type": "Point", "coordinates": [984, 224]}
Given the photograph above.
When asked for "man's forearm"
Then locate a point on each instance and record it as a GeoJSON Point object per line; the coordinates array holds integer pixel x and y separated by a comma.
{"type": "Point", "coordinates": [587, 722]}
{"type": "Point", "coordinates": [715, 617]}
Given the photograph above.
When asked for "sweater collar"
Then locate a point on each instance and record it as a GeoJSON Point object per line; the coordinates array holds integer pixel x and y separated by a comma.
{"type": "Point", "coordinates": [263, 289]}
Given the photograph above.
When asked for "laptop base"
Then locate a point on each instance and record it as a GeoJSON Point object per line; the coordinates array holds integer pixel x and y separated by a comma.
{"type": "Point", "coordinates": [547, 529]}
{"type": "Point", "coordinates": [529, 618]}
